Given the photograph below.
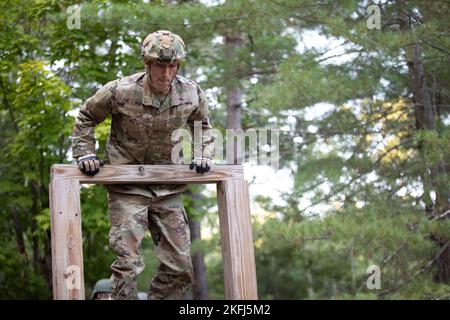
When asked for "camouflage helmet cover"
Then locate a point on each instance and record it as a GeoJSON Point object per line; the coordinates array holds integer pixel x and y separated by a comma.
{"type": "Point", "coordinates": [163, 45]}
{"type": "Point", "coordinates": [103, 285]}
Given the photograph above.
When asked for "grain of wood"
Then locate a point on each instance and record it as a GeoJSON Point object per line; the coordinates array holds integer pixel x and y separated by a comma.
{"type": "Point", "coordinates": [237, 240]}
{"type": "Point", "coordinates": [67, 250]}
{"type": "Point", "coordinates": [147, 174]}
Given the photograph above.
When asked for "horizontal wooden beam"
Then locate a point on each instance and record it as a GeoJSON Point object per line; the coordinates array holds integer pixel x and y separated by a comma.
{"type": "Point", "coordinates": [148, 174]}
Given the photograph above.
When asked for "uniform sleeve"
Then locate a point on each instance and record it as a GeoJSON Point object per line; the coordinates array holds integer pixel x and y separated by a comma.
{"type": "Point", "coordinates": [94, 111]}
{"type": "Point", "coordinates": [199, 117]}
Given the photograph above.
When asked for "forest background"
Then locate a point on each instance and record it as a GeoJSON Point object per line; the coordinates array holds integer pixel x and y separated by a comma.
{"type": "Point", "coordinates": [358, 89]}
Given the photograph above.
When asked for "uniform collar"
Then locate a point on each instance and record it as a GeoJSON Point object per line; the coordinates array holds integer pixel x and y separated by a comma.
{"type": "Point", "coordinates": [151, 99]}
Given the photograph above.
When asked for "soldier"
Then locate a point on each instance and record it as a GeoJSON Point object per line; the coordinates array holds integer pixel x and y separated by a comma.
{"type": "Point", "coordinates": [102, 290]}
{"type": "Point", "coordinates": [146, 108]}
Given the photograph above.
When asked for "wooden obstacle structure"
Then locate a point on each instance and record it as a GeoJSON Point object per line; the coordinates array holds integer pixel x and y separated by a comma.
{"type": "Point", "coordinates": [234, 217]}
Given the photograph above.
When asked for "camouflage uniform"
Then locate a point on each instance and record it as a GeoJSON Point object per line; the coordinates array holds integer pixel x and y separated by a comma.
{"type": "Point", "coordinates": [140, 133]}
{"type": "Point", "coordinates": [166, 219]}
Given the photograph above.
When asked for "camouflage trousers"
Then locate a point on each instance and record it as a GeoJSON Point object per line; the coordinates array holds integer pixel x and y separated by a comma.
{"type": "Point", "coordinates": [166, 219]}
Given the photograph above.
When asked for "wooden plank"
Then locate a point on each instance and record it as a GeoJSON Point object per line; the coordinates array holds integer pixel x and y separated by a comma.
{"type": "Point", "coordinates": [67, 244]}
{"type": "Point", "coordinates": [237, 240]}
{"type": "Point", "coordinates": [234, 212]}
{"type": "Point", "coordinates": [140, 174]}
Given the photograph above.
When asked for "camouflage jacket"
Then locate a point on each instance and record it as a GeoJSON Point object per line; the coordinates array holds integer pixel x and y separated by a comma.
{"type": "Point", "coordinates": [142, 125]}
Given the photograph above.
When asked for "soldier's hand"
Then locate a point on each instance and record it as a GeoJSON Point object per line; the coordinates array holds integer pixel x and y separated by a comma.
{"type": "Point", "coordinates": [201, 164]}
{"type": "Point", "coordinates": [89, 164]}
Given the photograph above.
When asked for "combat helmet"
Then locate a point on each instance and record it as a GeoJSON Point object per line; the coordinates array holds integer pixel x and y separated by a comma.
{"type": "Point", "coordinates": [103, 285]}
{"type": "Point", "coordinates": [163, 45]}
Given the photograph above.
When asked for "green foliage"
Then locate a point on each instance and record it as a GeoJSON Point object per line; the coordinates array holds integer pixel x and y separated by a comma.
{"type": "Point", "coordinates": [367, 182]}
{"type": "Point", "coordinates": [328, 258]}
{"type": "Point", "coordinates": [17, 277]}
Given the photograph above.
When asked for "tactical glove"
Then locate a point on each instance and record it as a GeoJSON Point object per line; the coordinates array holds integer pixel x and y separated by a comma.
{"type": "Point", "coordinates": [201, 164]}
{"type": "Point", "coordinates": [89, 164]}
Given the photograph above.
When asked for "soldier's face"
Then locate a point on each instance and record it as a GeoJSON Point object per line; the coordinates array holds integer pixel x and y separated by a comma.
{"type": "Point", "coordinates": [103, 296]}
{"type": "Point", "coordinates": [161, 74]}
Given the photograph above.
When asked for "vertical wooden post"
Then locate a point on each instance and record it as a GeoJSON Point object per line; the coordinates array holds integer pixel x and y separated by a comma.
{"type": "Point", "coordinates": [67, 244]}
{"type": "Point", "coordinates": [237, 240]}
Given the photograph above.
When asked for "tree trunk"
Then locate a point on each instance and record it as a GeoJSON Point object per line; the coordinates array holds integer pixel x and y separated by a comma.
{"type": "Point", "coordinates": [200, 286]}
{"type": "Point", "coordinates": [20, 242]}
{"type": "Point", "coordinates": [233, 95]}
{"type": "Point", "coordinates": [233, 90]}
{"type": "Point", "coordinates": [47, 260]}
{"type": "Point", "coordinates": [34, 238]}
{"type": "Point", "coordinates": [434, 177]}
